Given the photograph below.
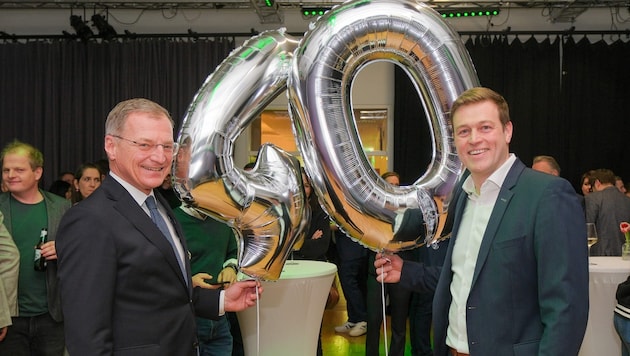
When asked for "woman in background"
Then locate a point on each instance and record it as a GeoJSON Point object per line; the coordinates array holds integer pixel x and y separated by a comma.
{"type": "Point", "coordinates": [87, 179]}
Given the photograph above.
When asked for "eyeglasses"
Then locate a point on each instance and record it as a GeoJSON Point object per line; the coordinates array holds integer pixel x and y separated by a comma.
{"type": "Point", "coordinates": [148, 147]}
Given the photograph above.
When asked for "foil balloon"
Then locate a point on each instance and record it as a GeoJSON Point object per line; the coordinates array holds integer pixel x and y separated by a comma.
{"type": "Point", "coordinates": [336, 47]}
{"type": "Point", "coordinates": [266, 206]}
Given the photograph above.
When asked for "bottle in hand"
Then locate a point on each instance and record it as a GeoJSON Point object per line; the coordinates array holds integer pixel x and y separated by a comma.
{"type": "Point", "coordinates": [40, 261]}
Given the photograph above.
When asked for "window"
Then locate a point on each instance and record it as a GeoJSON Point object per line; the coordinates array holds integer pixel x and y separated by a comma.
{"type": "Point", "coordinates": [274, 126]}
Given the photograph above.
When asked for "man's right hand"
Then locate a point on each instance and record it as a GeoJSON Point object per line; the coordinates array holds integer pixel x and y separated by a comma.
{"type": "Point", "coordinates": [242, 295]}
{"type": "Point", "coordinates": [388, 268]}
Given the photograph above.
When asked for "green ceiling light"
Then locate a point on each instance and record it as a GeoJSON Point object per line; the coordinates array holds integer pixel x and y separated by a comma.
{"type": "Point", "coordinates": [468, 12]}
{"type": "Point", "coordinates": [270, 3]}
{"type": "Point", "coordinates": [312, 12]}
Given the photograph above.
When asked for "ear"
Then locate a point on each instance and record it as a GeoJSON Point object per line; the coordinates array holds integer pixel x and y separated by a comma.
{"type": "Point", "coordinates": [508, 132]}
{"type": "Point", "coordinates": [38, 173]}
{"type": "Point", "coordinates": [76, 184]}
{"type": "Point", "coordinates": [110, 147]}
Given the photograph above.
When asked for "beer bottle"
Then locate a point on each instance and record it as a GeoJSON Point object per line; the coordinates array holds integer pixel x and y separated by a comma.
{"type": "Point", "coordinates": [40, 261]}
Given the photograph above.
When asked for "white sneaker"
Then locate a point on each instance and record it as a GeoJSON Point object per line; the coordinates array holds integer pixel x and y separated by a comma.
{"type": "Point", "coordinates": [345, 327]}
{"type": "Point", "coordinates": [358, 329]}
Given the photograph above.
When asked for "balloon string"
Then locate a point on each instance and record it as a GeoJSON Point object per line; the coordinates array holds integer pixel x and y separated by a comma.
{"type": "Point", "coordinates": [257, 321]}
{"type": "Point", "coordinates": [384, 314]}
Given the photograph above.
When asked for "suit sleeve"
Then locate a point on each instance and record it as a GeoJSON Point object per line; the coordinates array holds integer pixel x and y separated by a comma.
{"type": "Point", "coordinates": [562, 265]}
{"type": "Point", "coordinates": [206, 302]}
{"type": "Point", "coordinates": [9, 268]}
{"type": "Point", "coordinates": [419, 277]}
{"type": "Point", "coordinates": [87, 265]}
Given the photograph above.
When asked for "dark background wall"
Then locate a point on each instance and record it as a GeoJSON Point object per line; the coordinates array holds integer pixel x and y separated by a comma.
{"type": "Point", "coordinates": [567, 99]}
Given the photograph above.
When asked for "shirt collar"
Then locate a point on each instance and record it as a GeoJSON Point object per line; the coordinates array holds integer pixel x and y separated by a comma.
{"type": "Point", "coordinates": [137, 195]}
{"type": "Point", "coordinates": [497, 177]}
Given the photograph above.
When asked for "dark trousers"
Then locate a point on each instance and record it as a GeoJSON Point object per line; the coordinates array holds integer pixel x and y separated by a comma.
{"type": "Point", "coordinates": [352, 266]}
{"type": "Point", "coordinates": [399, 301]}
{"type": "Point", "coordinates": [237, 338]}
{"type": "Point", "coordinates": [421, 310]}
{"type": "Point", "coordinates": [34, 336]}
{"type": "Point", "coordinates": [420, 317]}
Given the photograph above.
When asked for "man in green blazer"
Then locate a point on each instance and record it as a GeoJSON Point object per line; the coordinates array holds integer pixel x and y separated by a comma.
{"type": "Point", "coordinates": [515, 276]}
{"type": "Point", "coordinates": [9, 268]}
{"type": "Point", "coordinates": [27, 210]}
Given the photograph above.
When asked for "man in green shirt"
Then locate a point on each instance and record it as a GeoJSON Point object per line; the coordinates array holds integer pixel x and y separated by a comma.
{"type": "Point", "coordinates": [213, 250]}
{"type": "Point", "coordinates": [38, 328]}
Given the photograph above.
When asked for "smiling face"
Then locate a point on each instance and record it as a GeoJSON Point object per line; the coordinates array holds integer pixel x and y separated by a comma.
{"type": "Point", "coordinates": [482, 142]}
{"type": "Point", "coordinates": [19, 176]}
{"type": "Point", "coordinates": [145, 169]}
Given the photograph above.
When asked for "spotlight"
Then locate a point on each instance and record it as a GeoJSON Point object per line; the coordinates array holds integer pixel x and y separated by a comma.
{"type": "Point", "coordinates": [83, 31]}
{"type": "Point", "coordinates": [104, 29]}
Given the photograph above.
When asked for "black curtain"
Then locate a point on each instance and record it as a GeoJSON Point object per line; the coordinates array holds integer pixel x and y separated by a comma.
{"type": "Point", "coordinates": [566, 97]}
{"type": "Point", "coordinates": [56, 94]}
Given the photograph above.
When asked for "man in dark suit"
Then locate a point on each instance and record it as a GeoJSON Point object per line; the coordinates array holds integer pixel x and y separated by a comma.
{"type": "Point", "coordinates": [515, 276]}
{"type": "Point", "coordinates": [606, 207]}
{"type": "Point", "coordinates": [125, 279]}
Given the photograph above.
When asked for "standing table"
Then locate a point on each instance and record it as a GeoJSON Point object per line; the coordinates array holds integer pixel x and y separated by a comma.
{"type": "Point", "coordinates": [291, 311]}
{"type": "Point", "coordinates": [604, 276]}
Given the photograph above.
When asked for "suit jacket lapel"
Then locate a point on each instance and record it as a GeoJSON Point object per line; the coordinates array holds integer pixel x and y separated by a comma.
{"type": "Point", "coordinates": [143, 223]}
{"type": "Point", "coordinates": [180, 237]}
{"type": "Point", "coordinates": [500, 207]}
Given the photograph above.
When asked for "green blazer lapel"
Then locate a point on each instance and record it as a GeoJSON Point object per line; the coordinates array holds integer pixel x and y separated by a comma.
{"type": "Point", "coordinates": [498, 213]}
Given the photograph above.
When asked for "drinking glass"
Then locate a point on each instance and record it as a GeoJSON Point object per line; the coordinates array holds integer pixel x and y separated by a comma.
{"type": "Point", "coordinates": [591, 236]}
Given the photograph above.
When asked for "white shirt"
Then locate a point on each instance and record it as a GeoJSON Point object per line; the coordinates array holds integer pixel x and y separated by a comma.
{"type": "Point", "coordinates": [467, 243]}
{"type": "Point", "coordinates": [140, 197]}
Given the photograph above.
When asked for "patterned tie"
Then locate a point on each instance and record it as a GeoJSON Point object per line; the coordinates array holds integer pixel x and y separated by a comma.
{"type": "Point", "coordinates": [161, 224]}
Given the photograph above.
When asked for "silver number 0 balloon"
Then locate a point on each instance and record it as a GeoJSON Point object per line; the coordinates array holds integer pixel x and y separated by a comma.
{"type": "Point", "coordinates": [338, 46]}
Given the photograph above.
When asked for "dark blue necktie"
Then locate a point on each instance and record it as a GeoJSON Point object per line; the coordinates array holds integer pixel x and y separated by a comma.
{"type": "Point", "coordinates": [161, 224]}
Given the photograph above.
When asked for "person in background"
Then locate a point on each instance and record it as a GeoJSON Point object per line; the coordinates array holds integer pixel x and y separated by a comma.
{"type": "Point", "coordinates": [124, 270]}
{"type": "Point", "coordinates": [586, 183]}
{"type": "Point", "coordinates": [88, 178]}
{"type": "Point", "coordinates": [420, 310]}
{"type": "Point", "coordinates": [103, 166]}
{"type": "Point", "coordinates": [213, 264]}
{"type": "Point", "coordinates": [399, 301]}
{"type": "Point", "coordinates": [515, 276]}
{"type": "Point", "coordinates": [167, 191]}
{"type": "Point", "coordinates": [620, 185]}
{"type": "Point", "coordinates": [318, 236]}
{"type": "Point", "coordinates": [353, 268]}
{"type": "Point", "coordinates": [607, 207]}
{"type": "Point", "coordinates": [9, 269]}
{"type": "Point", "coordinates": [67, 177]}
{"type": "Point", "coordinates": [27, 210]}
{"type": "Point", "coordinates": [627, 186]}
{"type": "Point", "coordinates": [62, 189]}
{"type": "Point", "coordinates": [546, 164]}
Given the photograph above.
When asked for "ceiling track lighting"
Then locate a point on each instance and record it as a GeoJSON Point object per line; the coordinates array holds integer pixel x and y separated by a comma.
{"type": "Point", "coordinates": [105, 30]}
{"type": "Point", "coordinates": [83, 31]}
{"type": "Point", "coordinates": [468, 12]}
{"type": "Point", "coordinates": [313, 12]}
